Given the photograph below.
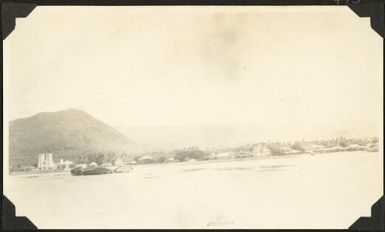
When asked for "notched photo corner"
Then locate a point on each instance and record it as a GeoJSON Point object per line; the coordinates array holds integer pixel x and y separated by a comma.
{"type": "Point", "coordinates": [115, 115]}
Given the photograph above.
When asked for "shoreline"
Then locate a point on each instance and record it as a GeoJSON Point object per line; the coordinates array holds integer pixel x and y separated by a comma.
{"type": "Point", "coordinates": [38, 173]}
{"type": "Point", "coordinates": [31, 173]}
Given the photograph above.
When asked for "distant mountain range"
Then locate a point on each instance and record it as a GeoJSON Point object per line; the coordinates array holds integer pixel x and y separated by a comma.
{"type": "Point", "coordinates": [66, 134]}
{"type": "Point", "coordinates": [238, 134]}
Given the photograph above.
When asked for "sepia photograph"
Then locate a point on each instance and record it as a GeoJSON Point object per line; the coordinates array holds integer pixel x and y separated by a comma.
{"type": "Point", "coordinates": [193, 117]}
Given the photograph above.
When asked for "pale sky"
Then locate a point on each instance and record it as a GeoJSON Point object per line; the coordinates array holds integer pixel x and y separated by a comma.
{"type": "Point", "coordinates": [179, 66]}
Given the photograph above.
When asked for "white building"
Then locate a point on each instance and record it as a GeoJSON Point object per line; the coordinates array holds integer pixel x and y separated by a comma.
{"type": "Point", "coordinates": [65, 164]}
{"type": "Point", "coordinates": [260, 150]}
{"type": "Point", "coordinates": [118, 162]}
{"type": "Point", "coordinates": [45, 162]}
{"type": "Point", "coordinates": [145, 159]}
{"type": "Point", "coordinates": [132, 162]}
{"type": "Point", "coordinates": [171, 159]}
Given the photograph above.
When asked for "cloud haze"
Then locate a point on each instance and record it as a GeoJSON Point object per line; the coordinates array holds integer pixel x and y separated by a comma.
{"type": "Point", "coordinates": [293, 70]}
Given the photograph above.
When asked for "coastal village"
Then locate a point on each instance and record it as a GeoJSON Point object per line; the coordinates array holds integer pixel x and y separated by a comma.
{"type": "Point", "coordinates": [116, 163]}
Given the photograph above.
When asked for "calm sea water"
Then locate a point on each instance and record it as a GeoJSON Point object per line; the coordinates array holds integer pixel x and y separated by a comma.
{"type": "Point", "coordinates": [321, 191]}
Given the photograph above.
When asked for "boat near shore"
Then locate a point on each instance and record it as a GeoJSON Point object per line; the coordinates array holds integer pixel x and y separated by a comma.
{"type": "Point", "coordinates": [82, 170]}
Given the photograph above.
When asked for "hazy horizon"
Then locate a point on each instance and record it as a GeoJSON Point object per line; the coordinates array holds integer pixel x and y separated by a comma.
{"type": "Point", "coordinates": [227, 134]}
